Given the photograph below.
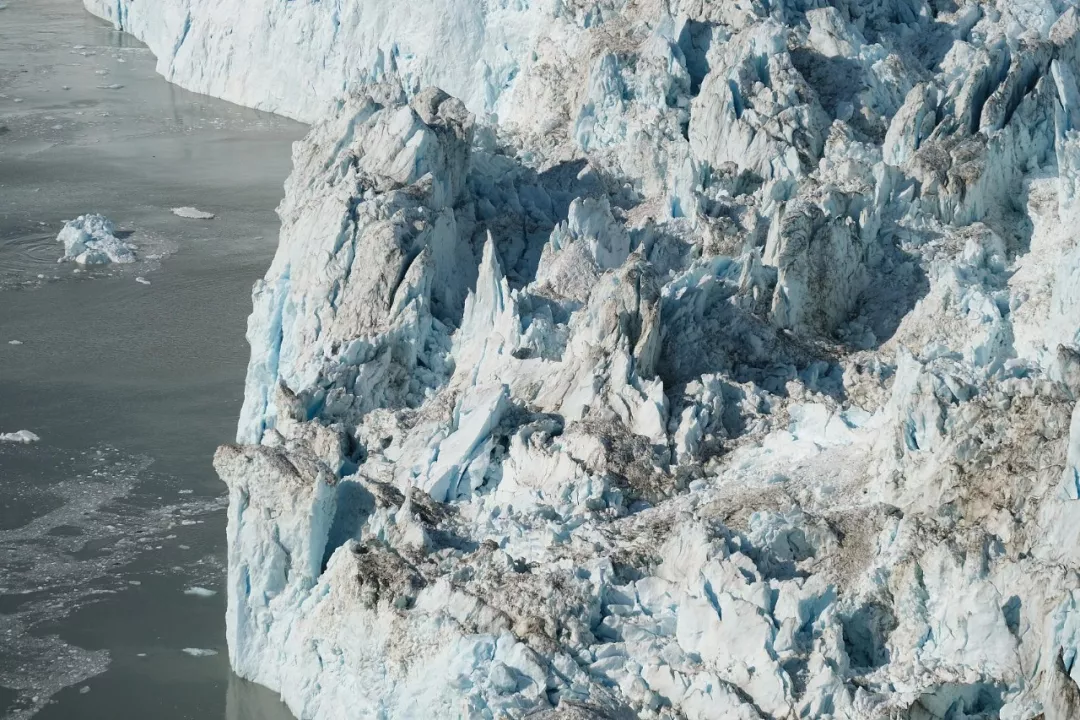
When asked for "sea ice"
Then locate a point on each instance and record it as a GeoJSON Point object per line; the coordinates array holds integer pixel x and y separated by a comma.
{"type": "Point", "coordinates": [192, 213]}
{"type": "Point", "coordinates": [24, 437]}
{"type": "Point", "coordinates": [200, 652]}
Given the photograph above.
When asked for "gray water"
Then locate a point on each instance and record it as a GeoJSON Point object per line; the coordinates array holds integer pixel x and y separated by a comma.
{"type": "Point", "coordinates": [108, 519]}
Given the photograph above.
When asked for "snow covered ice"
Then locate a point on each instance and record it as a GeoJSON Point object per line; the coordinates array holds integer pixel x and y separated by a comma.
{"type": "Point", "coordinates": [662, 359]}
{"type": "Point", "coordinates": [89, 240]}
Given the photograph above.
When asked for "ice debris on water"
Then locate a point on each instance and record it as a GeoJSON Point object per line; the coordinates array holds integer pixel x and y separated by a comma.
{"type": "Point", "coordinates": [659, 359]}
{"type": "Point", "coordinates": [89, 240]}
{"type": "Point", "coordinates": [192, 213]}
{"type": "Point", "coordinates": [200, 652]}
{"type": "Point", "coordinates": [200, 592]}
{"type": "Point", "coordinates": [141, 280]}
{"type": "Point", "coordinates": [15, 342]}
{"type": "Point", "coordinates": [23, 437]}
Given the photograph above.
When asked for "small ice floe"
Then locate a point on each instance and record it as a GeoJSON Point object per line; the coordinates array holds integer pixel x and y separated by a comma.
{"type": "Point", "coordinates": [200, 592]}
{"type": "Point", "coordinates": [114, 86]}
{"type": "Point", "coordinates": [14, 342]}
{"type": "Point", "coordinates": [200, 652]}
{"type": "Point", "coordinates": [142, 281]}
{"type": "Point", "coordinates": [192, 213]}
{"type": "Point", "coordinates": [90, 240]}
{"type": "Point", "coordinates": [24, 437]}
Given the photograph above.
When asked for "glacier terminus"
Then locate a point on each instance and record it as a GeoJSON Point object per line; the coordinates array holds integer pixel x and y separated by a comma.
{"type": "Point", "coordinates": [673, 359]}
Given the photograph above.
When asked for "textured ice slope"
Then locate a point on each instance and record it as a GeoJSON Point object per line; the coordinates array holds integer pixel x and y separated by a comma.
{"type": "Point", "coordinates": [674, 360]}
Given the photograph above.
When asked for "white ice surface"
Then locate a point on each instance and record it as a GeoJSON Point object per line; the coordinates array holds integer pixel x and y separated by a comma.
{"type": "Point", "coordinates": [192, 213]}
{"type": "Point", "coordinates": [24, 437]}
{"type": "Point", "coordinates": [89, 240]}
{"type": "Point", "coordinates": [674, 360]}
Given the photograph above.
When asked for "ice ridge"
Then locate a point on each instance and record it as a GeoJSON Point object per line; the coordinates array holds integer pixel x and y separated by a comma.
{"type": "Point", "coordinates": [676, 360]}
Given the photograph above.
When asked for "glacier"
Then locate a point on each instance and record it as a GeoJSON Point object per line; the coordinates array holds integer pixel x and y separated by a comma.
{"type": "Point", "coordinates": [679, 359]}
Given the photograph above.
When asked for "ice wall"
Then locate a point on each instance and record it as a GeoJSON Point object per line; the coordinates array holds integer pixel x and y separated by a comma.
{"type": "Point", "coordinates": [295, 57]}
{"type": "Point", "coordinates": [657, 359]}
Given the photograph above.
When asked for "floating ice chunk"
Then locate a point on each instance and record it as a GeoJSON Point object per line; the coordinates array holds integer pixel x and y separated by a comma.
{"type": "Point", "coordinates": [200, 591]}
{"type": "Point", "coordinates": [192, 213]}
{"type": "Point", "coordinates": [15, 342]}
{"type": "Point", "coordinates": [142, 281]}
{"type": "Point", "coordinates": [90, 240]}
{"type": "Point", "coordinates": [200, 652]}
{"type": "Point", "coordinates": [24, 437]}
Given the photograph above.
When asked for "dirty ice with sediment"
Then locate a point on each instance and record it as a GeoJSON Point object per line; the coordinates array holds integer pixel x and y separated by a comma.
{"type": "Point", "coordinates": [680, 359]}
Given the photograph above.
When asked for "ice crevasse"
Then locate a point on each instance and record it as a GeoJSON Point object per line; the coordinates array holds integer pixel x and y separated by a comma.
{"type": "Point", "coordinates": [678, 360]}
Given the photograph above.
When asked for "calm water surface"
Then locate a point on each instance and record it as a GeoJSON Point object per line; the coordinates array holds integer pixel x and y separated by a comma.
{"type": "Point", "coordinates": [116, 512]}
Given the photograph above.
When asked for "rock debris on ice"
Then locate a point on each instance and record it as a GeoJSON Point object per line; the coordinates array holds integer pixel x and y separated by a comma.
{"type": "Point", "coordinates": [89, 240]}
{"type": "Point", "coordinates": [23, 437]}
{"type": "Point", "coordinates": [192, 213]}
{"type": "Point", "coordinates": [675, 360]}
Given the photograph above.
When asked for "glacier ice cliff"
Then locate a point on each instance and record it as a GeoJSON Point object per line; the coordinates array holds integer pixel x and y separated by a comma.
{"type": "Point", "coordinates": [675, 359]}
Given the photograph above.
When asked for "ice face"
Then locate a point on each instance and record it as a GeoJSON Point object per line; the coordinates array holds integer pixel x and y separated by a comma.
{"type": "Point", "coordinates": [672, 360]}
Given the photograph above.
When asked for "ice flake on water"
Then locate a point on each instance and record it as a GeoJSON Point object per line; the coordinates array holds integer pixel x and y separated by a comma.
{"type": "Point", "coordinates": [200, 592]}
{"type": "Point", "coordinates": [102, 499]}
{"type": "Point", "coordinates": [192, 213]}
{"type": "Point", "coordinates": [23, 437]}
{"type": "Point", "coordinates": [199, 652]}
